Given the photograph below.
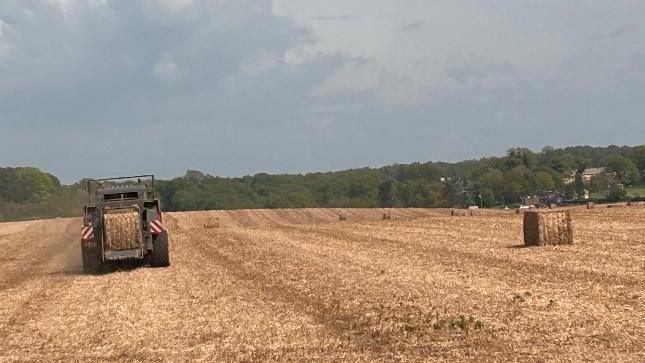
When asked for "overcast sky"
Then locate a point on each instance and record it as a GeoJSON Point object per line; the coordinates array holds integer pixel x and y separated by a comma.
{"type": "Point", "coordinates": [100, 88]}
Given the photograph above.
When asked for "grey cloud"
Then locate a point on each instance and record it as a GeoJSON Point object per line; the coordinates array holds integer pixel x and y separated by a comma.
{"type": "Point", "coordinates": [331, 18]}
{"type": "Point", "coordinates": [615, 33]}
{"type": "Point", "coordinates": [465, 69]}
{"type": "Point", "coordinates": [412, 25]}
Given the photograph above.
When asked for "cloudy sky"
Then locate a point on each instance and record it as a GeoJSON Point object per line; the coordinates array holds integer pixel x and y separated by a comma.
{"type": "Point", "coordinates": [99, 87]}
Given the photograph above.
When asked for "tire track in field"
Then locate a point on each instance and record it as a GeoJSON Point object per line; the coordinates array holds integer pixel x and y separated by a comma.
{"type": "Point", "coordinates": [319, 289]}
{"type": "Point", "coordinates": [327, 312]}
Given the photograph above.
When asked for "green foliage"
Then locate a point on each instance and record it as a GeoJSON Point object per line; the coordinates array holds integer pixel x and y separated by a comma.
{"type": "Point", "coordinates": [487, 197]}
{"type": "Point", "coordinates": [626, 170]}
{"type": "Point", "coordinates": [544, 180]}
{"type": "Point", "coordinates": [616, 194]}
{"type": "Point", "coordinates": [29, 193]}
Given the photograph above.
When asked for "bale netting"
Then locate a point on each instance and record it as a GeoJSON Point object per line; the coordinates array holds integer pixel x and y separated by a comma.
{"type": "Point", "coordinates": [122, 229]}
{"type": "Point", "coordinates": [548, 228]}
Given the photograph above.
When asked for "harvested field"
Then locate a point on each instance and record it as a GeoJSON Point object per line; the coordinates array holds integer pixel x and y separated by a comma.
{"type": "Point", "coordinates": [302, 285]}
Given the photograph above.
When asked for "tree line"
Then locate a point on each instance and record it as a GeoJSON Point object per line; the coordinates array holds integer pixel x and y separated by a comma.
{"type": "Point", "coordinates": [489, 182]}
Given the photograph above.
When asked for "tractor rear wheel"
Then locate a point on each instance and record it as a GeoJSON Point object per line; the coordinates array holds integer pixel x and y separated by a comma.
{"type": "Point", "coordinates": [91, 260]}
{"type": "Point", "coordinates": [159, 254]}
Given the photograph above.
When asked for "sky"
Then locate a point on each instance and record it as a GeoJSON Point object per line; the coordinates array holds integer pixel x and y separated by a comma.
{"type": "Point", "coordinates": [98, 88]}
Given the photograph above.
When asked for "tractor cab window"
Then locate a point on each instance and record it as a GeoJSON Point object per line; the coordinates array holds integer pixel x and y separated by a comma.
{"type": "Point", "coordinates": [120, 196]}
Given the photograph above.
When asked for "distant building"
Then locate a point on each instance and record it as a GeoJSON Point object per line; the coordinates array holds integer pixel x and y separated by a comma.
{"type": "Point", "coordinates": [591, 173]}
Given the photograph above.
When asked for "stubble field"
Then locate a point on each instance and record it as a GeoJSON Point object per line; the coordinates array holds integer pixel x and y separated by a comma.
{"type": "Point", "coordinates": [302, 285]}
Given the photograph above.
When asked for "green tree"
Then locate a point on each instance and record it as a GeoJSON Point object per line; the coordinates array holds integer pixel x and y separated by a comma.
{"type": "Point", "coordinates": [626, 171]}
{"type": "Point", "coordinates": [544, 181]}
{"type": "Point", "coordinates": [387, 191]}
{"type": "Point", "coordinates": [487, 197]}
{"type": "Point", "coordinates": [579, 186]}
{"type": "Point", "coordinates": [32, 186]}
{"type": "Point", "coordinates": [616, 193]}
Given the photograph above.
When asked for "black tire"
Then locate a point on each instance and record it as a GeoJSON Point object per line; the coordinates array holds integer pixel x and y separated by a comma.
{"type": "Point", "coordinates": [159, 254]}
{"type": "Point", "coordinates": [91, 260]}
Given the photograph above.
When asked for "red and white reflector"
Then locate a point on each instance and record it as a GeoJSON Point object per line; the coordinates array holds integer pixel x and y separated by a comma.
{"type": "Point", "coordinates": [87, 233]}
{"type": "Point", "coordinates": [156, 227]}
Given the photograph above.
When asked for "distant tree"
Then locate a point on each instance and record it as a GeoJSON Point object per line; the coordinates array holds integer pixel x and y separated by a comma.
{"type": "Point", "coordinates": [544, 181]}
{"type": "Point", "coordinates": [195, 175]}
{"type": "Point", "coordinates": [516, 185]}
{"type": "Point", "coordinates": [562, 163]}
{"type": "Point", "coordinates": [30, 185]}
{"type": "Point", "coordinates": [638, 157]}
{"type": "Point", "coordinates": [579, 185]}
{"type": "Point", "coordinates": [524, 157]}
{"type": "Point", "coordinates": [487, 197]}
{"type": "Point", "coordinates": [626, 171]}
{"type": "Point", "coordinates": [616, 193]}
{"type": "Point", "coordinates": [387, 193]}
{"type": "Point", "coordinates": [600, 184]}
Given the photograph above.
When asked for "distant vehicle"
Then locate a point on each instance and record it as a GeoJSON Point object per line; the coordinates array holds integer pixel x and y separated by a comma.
{"type": "Point", "coordinates": [123, 221]}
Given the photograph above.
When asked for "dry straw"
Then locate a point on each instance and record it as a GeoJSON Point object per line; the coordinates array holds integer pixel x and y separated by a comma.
{"type": "Point", "coordinates": [548, 228]}
{"type": "Point", "coordinates": [122, 230]}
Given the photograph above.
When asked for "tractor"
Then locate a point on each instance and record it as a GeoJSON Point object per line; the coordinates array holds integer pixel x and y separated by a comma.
{"type": "Point", "coordinates": [122, 222]}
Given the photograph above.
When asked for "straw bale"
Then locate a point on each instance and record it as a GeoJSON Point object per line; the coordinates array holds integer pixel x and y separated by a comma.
{"type": "Point", "coordinates": [548, 228]}
{"type": "Point", "coordinates": [123, 230]}
{"type": "Point", "coordinates": [212, 223]}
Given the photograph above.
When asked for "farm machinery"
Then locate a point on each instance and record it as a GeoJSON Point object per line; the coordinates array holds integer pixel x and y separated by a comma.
{"type": "Point", "coordinates": [123, 221]}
